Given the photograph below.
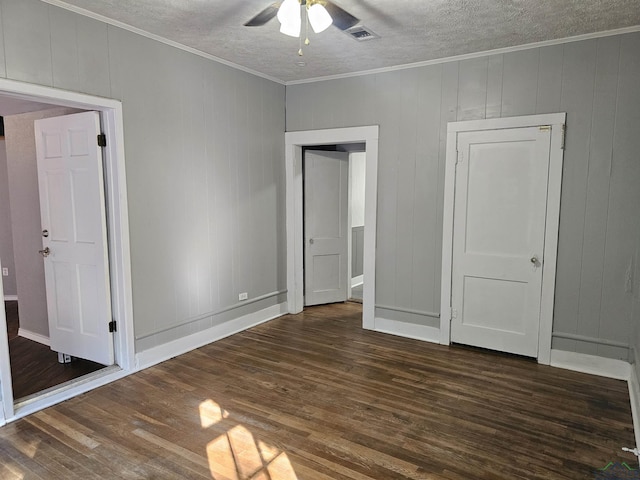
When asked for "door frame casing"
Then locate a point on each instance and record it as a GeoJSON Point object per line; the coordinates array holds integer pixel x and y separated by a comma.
{"type": "Point", "coordinates": [557, 123]}
{"type": "Point", "coordinates": [294, 141]}
{"type": "Point", "coordinates": [119, 249]}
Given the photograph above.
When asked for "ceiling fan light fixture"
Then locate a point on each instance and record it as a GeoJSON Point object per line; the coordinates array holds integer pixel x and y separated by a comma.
{"type": "Point", "coordinates": [292, 28]}
{"type": "Point", "coordinates": [289, 18]}
{"type": "Point", "coordinates": [319, 18]}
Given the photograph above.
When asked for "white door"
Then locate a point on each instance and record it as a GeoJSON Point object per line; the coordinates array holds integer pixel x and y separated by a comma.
{"type": "Point", "coordinates": [498, 238]}
{"type": "Point", "coordinates": [74, 240]}
{"type": "Point", "coordinates": [326, 186]}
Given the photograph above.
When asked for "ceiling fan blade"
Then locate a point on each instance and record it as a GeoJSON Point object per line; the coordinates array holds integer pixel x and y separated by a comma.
{"type": "Point", "coordinates": [341, 18]}
{"type": "Point", "coordinates": [264, 16]}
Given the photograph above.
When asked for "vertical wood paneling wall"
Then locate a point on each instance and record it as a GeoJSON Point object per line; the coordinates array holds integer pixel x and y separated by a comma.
{"type": "Point", "coordinates": [6, 238]}
{"type": "Point", "coordinates": [596, 82]}
{"type": "Point", "coordinates": [204, 147]}
{"type": "Point", "coordinates": [634, 354]}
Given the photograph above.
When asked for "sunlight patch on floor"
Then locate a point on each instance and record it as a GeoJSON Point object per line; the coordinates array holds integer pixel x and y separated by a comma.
{"type": "Point", "coordinates": [10, 471]}
{"type": "Point", "coordinates": [238, 455]}
{"type": "Point", "coordinates": [211, 413]}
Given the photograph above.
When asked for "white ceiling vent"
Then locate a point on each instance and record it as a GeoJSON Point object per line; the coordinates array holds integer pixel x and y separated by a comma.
{"type": "Point", "coordinates": [361, 33]}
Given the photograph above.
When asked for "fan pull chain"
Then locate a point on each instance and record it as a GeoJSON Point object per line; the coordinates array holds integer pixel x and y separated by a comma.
{"type": "Point", "coordinates": [306, 28]}
{"type": "Point", "coordinates": [306, 33]}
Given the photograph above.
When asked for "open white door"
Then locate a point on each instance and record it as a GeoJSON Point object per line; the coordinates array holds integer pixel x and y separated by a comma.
{"type": "Point", "coordinates": [74, 242]}
{"type": "Point", "coordinates": [501, 182]}
{"type": "Point", "coordinates": [326, 187]}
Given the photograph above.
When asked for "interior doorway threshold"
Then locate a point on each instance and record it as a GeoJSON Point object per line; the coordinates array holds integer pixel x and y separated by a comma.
{"type": "Point", "coordinates": [51, 396]}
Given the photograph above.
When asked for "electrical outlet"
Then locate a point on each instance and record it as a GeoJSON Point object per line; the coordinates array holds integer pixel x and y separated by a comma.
{"type": "Point", "coordinates": [5, 272]}
{"type": "Point", "coordinates": [243, 296]}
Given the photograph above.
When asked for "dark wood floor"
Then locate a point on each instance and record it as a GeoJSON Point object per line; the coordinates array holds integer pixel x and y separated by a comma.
{"type": "Point", "coordinates": [35, 367]}
{"type": "Point", "coordinates": [313, 396]}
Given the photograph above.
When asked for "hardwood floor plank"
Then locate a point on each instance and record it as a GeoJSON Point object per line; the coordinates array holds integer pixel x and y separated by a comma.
{"type": "Point", "coordinates": [314, 396]}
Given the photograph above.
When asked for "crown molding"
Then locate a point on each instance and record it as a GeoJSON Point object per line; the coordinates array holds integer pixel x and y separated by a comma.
{"type": "Point", "coordinates": [467, 56]}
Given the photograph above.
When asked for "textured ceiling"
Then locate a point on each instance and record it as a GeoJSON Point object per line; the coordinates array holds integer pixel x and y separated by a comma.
{"type": "Point", "coordinates": [410, 30]}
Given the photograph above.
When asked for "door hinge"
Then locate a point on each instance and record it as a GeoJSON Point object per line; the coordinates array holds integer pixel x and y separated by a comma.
{"type": "Point", "coordinates": [564, 132]}
{"type": "Point", "coordinates": [102, 140]}
{"type": "Point", "coordinates": [112, 326]}
{"type": "Point", "coordinates": [454, 314]}
{"type": "Point", "coordinates": [459, 158]}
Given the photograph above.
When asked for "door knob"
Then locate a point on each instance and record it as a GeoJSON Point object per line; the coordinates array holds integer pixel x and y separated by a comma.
{"type": "Point", "coordinates": [534, 259]}
{"type": "Point", "coordinates": [45, 253]}
{"type": "Point", "coordinates": [311, 241]}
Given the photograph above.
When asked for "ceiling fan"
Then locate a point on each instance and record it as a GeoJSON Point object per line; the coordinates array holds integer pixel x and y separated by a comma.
{"type": "Point", "coordinates": [341, 18]}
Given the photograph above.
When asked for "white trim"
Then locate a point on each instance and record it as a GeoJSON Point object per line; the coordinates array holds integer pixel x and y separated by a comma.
{"type": "Point", "coordinates": [357, 280]}
{"type": "Point", "coordinates": [408, 330]}
{"type": "Point", "coordinates": [349, 227]}
{"type": "Point", "coordinates": [591, 364]}
{"type": "Point", "coordinates": [11, 298]}
{"type": "Point", "coordinates": [66, 391]}
{"type": "Point", "coordinates": [6, 389]}
{"type": "Point", "coordinates": [523, 121]}
{"type": "Point", "coordinates": [634, 397]}
{"type": "Point", "coordinates": [158, 38]}
{"type": "Point", "coordinates": [412, 311]}
{"type": "Point", "coordinates": [36, 337]}
{"type": "Point", "coordinates": [557, 122]}
{"type": "Point", "coordinates": [294, 141]}
{"type": "Point", "coordinates": [554, 188]}
{"type": "Point", "coordinates": [118, 229]}
{"type": "Point", "coordinates": [64, 98]}
{"type": "Point", "coordinates": [468, 56]}
{"type": "Point", "coordinates": [119, 249]}
{"type": "Point", "coordinates": [166, 351]}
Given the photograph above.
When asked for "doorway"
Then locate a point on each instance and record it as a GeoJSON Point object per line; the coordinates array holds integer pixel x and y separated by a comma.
{"type": "Point", "coordinates": [110, 111]}
{"type": "Point", "coordinates": [295, 141]}
{"type": "Point", "coordinates": [334, 198]}
{"type": "Point", "coordinates": [500, 233]}
{"type": "Point", "coordinates": [52, 174]}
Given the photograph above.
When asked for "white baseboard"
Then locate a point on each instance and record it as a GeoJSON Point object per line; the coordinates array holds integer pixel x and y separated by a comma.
{"type": "Point", "coordinates": [11, 298]}
{"type": "Point", "coordinates": [153, 356]}
{"type": "Point", "coordinates": [356, 281]}
{"type": "Point", "coordinates": [36, 337]}
{"type": "Point", "coordinates": [407, 330]}
{"type": "Point", "coordinates": [580, 362]}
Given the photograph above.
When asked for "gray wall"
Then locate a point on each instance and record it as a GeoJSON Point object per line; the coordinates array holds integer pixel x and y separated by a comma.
{"type": "Point", "coordinates": [634, 354]}
{"type": "Point", "coordinates": [595, 82]}
{"type": "Point", "coordinates": [6, 239]}
{"type": "Point", "coordinates": [357, 251]}
{"type": "Point", "coordinates": [357, 166]}
{"type": "Point", "coordinates": [204, 146]}
{"type": "Point", "coordinates": [25, 217]}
